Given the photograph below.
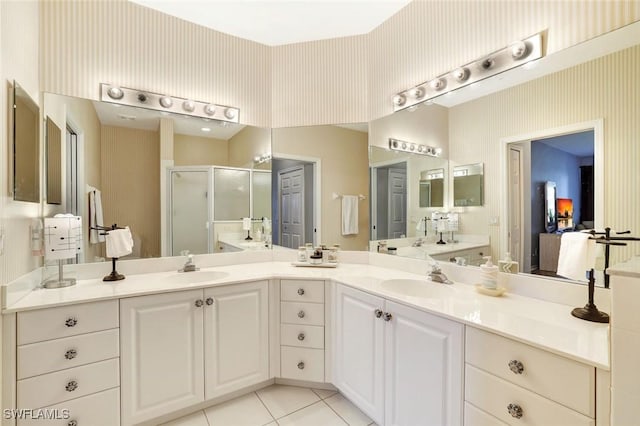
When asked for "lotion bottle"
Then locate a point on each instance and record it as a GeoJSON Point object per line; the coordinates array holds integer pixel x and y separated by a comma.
{"type": "Point", "coordinates": [489, 274]}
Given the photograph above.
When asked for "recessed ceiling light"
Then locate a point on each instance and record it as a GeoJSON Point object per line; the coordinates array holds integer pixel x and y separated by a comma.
{"type": "Point", "coordinates": [206, 129]}
{"type": "Point", "coordinates": [126, 117]}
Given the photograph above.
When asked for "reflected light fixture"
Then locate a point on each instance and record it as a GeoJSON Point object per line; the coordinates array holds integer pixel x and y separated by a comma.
{"type": "Point", "coordinates": [514, 55]}
{"type": "Point", "coordinates": [118, 95]}
{"type": "Point", "coordinates": [206, 129]}
{"type": "Point", "coordinates": [414, 148]}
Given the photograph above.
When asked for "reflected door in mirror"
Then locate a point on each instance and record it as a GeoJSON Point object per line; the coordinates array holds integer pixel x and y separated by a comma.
{"type": "Point", "coordinates": [291, 189]}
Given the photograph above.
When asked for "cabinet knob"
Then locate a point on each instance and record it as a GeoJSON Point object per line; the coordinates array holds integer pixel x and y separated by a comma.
{"type": "Point", "coordinates": [301, 365]}
{"type": "Point", "coordinates": [71, 386]}
{"type": "Point", "coordinates": [516, 366]}
{"type": "Point", "coordinates": [209, 301]}
{"type": "Point", "coordinates": [71, 354]}
{"type": "Point", "coordinates": [387, 316]}
{"type": "Point", "coordinates": [301, 336]}
{"type": "Point", "coordinates": [199, 303]}
{"type": "Point", "coordinates": [515, 410]}
{"type": "Point", "coordinates": [301, 291]}
{"type": "Point", "coordinates": [71, 322]}
{"type": "Point", "coordinates": [72, 423]}
{"type": "Point", "coordinates": [301, 314]}
{"type": "Point", "coordinates": [378, 313]}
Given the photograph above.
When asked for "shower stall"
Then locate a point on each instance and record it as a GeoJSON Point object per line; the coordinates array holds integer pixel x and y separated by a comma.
{"type": "Point", "coordinates": [204, 202]}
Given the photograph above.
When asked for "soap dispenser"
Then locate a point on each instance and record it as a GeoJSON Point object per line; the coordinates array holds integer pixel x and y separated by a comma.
{"type": "Point", "coordinates": [489, 274]}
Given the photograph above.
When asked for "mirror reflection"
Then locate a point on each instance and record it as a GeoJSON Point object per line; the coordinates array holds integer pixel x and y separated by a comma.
{"type": "Point", "coordinates": [26, 144]}
{"type": "Point", "coordinates": [180, 183]}
{"type": "Point", "coordinates": [468, 185]}
{"type": "Point", "coordinates": [432, 188]}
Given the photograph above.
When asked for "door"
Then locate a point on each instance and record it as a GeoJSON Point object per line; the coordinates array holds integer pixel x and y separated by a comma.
{"type": "Point", "coordinates": [190, 193]}
{"type": "Point", "coordinates": [397, 203]}
{"type": "Point", "coordinates": [358, 355]}
{"type": "Point", "coordinates": [161, 354]}
{"type": "Point", "coordinates": [236, 337]}
{"type": "Point", "coordinates": [423, 368]}
{"type": "Point", "coordinates": [515, 204]}
{"type": "Point", "coordinates": [291, 190]}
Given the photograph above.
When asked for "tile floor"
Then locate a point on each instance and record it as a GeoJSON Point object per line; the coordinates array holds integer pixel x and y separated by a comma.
{"type": "Point", "coordinates": [280, 405]}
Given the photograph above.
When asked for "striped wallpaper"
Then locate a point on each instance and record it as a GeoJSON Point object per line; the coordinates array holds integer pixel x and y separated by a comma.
{"type": "Point", "coordinates": [606, 88]}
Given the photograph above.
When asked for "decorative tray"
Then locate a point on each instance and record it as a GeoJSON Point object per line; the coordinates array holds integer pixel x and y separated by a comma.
{"type": "Point", "coordinates": [316, 265]}
{"type": "Point", "coordinates": [495, 292]}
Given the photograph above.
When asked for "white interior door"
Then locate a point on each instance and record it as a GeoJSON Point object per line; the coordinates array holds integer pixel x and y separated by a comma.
{"type": "Point", "coordinates": [515, 204]}
{"type": "Point", "coordinates": [291, 190]}
{"type": "Point", "coordinates": [397, 203]}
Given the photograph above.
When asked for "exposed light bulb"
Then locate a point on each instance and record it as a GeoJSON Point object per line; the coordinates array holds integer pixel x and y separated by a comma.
{"type": "Point", "coordinates": [438, 83]}
{"type": "Point", "coordinates": [460, 74]}
{"type": "Point", "coordinates": [399, 100]}
{"type": "Point", "coordinates": [209, 109]}
{"type": "Point", "coordinates": [417, 92]}
{"type": "Point", "coordinates": [115, 92]}
{"type": "Point", "coordinates": [230, 113]}
{"type": "Point", "coordinates": [488, 63]}
{"type": "Point", "coordinates": [166, 101]}
{"type": "Point", "coordinates": [519, 50]}
{"type": "Point", "coordinates": [189, 105]}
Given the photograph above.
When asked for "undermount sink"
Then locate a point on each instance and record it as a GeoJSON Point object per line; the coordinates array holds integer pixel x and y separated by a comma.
{"type": "Point", "coordinates": [194, 277]}
{"type": "Point", "coordinates": [418, 288]}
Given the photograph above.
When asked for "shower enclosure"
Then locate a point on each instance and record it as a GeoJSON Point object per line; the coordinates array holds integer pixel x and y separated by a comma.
{"type": "Point", "coordinates": [206, 201]}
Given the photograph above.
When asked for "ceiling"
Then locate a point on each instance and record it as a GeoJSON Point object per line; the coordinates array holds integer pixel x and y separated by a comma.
{"type": "Point", "coordinates": [280, 22]}
{"type": "Point", "coordinates": [578, 144]}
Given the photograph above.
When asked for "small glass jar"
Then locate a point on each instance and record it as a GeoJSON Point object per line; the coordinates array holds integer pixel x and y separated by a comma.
{"type": "Point", "coordinates": [302, 254]}
{"type": "Point", "coordinates": [333, 255]}
{"type": "Point", "coordinates": [309, 248]}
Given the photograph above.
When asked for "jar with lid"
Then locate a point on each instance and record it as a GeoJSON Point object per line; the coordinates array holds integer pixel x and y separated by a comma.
{"type": "Point", "coordinates": [302, 254]}
{"type": "Point", "coordinates": [309, 248]}
{"type": "Point", "coordinates": [333, 255]}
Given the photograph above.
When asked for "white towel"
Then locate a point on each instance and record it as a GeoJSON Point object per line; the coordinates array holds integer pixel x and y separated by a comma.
{"type": "Point", "coordinates": [577, 255]}
{"type": "Point", "coordinates": [95, 217]}
{"type": "Point", "coordinates": [350, 214]}
{"type": "Point", "coordinates": [119, 242]}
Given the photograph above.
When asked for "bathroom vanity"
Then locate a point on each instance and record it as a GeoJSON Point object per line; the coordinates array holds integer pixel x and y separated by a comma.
{"type": "Point", "coordinates": [159, 345]}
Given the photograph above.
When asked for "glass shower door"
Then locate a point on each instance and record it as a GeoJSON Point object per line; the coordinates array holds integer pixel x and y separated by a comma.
{"type": "Point", "coordinates": [190, 212]}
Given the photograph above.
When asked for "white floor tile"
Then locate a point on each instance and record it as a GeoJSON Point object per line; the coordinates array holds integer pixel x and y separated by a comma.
{"type": "Point", "coordinates": [349, 412]}
{"type": "Point", "coordinates": [245, 410]}
{"type": "Point", "coordinates": [195, 419]}
{"type": "Point", "coordinates": [282, 400]}
{"type": "Point", "coordinates": [318, 414]}
{"type": "Point", "coordinates": [323, 393]}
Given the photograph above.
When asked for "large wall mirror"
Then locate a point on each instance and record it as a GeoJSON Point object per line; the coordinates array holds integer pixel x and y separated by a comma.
{"type": "Point", "coordinates": [180, 183]}
{"type": "Point", "coordinates": [26, 146]}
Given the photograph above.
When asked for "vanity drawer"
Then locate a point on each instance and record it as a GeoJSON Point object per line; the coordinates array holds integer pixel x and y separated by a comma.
{"type": "Point", "coordinates": [494, 395]}
{"type": "Point", "coordinates": [302, 313]}
{"type": "Point", "coordinates": [52, 388]}
{"type": "Point", "coordinates": [64, 321]}
{"type": "Point", "coordinates": [474, 416]}
{"type": "Point", "coordinates": [560, 379]}
{"type": "Point", "coordinates": [53, 355]}
{"type": "Point", "coordinates": [302, 364]}
{"type": "Point", "coordinates": [302, 291]}
{"type": "Point", "coordinates": [306, 336]}
{"type": "Point", "coordinates": [99, 409]}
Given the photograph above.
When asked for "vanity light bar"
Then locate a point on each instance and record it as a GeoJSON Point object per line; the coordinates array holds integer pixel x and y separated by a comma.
{"type": "Point", "coordinates": [512, 56]}
{"type": "Point", "coordinates": [155, 101]}
{"type": "Point", "coordinates": [414, 148]}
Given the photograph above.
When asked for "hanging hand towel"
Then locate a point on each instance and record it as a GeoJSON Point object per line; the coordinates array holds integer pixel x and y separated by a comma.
{"type": "Point", "coordinates": [95, 217]}
{"type": "Point", "coordinates": [350, 214]}
{"type": "Point", "coordinates": [577, 255]}
{"type": "Point", "coordinates": [119, 242]}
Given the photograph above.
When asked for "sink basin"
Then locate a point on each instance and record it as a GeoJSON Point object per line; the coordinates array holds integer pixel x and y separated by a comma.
{"type": "Point", "coordinates": [418, 288]}
{"type": "Point", "coordinates": [194, 277]}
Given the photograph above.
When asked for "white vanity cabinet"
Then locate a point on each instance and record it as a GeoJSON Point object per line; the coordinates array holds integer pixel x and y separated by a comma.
{"type": "Point", "coordinates": [517, 384]}
{"type": "Point", "coordinates": [398, 364]}
{"type": "Point", "coordinates": [182, 348]}
{"type": "Point", "coordinates": [68, 364]}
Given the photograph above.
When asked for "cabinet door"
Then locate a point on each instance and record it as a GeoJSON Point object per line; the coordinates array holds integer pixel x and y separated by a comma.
{"type": "Point", "coordinates": [358, 362]}
{"type": "Point", "coordinates": [236, 337]}
{"type": "Point", "coordinates": [423, 368]}
{"type": "Point", "coordinates": [162, 355]}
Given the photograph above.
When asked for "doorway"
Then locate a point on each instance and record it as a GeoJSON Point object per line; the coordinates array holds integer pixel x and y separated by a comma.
{"type": "Point", "coordinates": [388, 201]}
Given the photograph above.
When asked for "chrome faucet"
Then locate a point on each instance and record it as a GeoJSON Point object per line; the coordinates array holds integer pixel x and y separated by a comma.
{"type": "Point", "coordinates": [437, 276]}
{"type": "Point", "coordinates": [417, 243]}
{"type": "Point", "coordinates": [189, 266]}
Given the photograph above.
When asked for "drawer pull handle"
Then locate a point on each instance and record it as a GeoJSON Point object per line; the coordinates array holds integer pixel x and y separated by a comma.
{"type": "Point", "coordinates": [301, 337]}
{"type": "Point", "coordinates": [71, 322]}
{"type": "Point", "coordinates": [72, 423]}
{"type": "Point", "coordinates": [378, 313]}
{"type": "Point", "coordinates": [301, 291]}
{"type": "Point", "coordinates": [199, 303]}
{"type": "Point", "coordinates": [515, 410]}
{"type": "Point", "coordinates": [301, 365]}
{"type": "Point", "coordinates": [71, 386]}
{"type": "Point", "coordinates": [301, 314]}
{"type": "Point", "coordinates": [516, 366]}
{"type": "Point", "coordinates": [71, 354]}
{"type": "Point", "coordinates": [387, 316]}
{"type": "Point", "coordinates": [209, 301]}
